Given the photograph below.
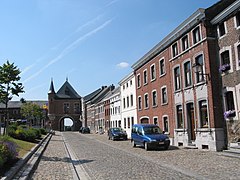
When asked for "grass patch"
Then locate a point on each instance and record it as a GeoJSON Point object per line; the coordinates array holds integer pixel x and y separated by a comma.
{"type": "Point", "coordinates": [23, 146]}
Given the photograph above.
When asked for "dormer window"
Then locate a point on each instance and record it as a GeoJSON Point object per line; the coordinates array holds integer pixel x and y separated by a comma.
{"type": "Point", "coordinates": [185, 44]}
{"type": "Point", "coordinates": [196, 35]}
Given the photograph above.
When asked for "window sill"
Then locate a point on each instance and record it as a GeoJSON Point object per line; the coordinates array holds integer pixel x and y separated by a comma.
{"type": "Point", "coordinates": [152, 80]}
{"type": "Point", "coordinates": [162, 75]}
{"type": "Point", "coordinates": [164, 104]}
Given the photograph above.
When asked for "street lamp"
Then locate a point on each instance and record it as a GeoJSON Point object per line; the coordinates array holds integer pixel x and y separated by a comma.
{"type": "Point", "coordinates": [198, 69]}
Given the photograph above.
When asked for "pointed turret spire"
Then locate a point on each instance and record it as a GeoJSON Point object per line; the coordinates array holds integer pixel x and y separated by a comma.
{"type": "Point", "coordinates": [51, 90]}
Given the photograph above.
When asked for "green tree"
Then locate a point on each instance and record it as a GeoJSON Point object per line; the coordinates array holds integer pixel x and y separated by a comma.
{"type": "Point", "coordinates": [9, 86]}
{"type": "Point", "coordinates": [32, 112]}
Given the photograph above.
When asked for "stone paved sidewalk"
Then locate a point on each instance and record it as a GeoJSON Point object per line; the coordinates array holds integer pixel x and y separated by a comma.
{"type": "Point", "coordinates": [55, 162]}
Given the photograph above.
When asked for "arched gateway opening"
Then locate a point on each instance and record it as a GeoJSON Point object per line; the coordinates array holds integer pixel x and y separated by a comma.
{"type": "Point", "coordinates": [68, 124]}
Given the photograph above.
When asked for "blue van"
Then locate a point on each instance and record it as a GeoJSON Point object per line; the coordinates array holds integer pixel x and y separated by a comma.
{"type": "Point", "coordinates": [149, 136]}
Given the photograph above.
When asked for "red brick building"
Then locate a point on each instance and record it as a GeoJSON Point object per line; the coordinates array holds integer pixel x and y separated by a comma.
{"type": "Point", "coordinates": [171, 94]}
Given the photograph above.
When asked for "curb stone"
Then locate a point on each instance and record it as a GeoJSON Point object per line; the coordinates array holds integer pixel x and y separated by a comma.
{"type": "Point", "coordinates": [33, 155]}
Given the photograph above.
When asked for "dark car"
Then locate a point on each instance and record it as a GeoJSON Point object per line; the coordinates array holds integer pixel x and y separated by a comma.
{"type": "Point", "coordinates": [84, 130]}
{"type": "Point", "coordinates": [149, 136]}
{"type": "Point", "coordinates": [117, 133]}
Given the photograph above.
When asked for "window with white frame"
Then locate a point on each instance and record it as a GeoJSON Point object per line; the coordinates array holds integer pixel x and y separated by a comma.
{"type": "Point", "coordinates": [164, 95]}
{"type": "Point", "coordinates": [221, 29]}
{"type": "Point", "coordinates": [203, 114]}
{"type": "Point", "coordinates": [124, 103]}
{"type": "Point", "coordinates": [237, 17]}
{"type": "Point", "coordinates": [229, 101]}
{"type": "Point", "coordinates": [165, 124]}
{"type": "Point", "coordinates": [155, 120]}
{"type": "Point", "coordinates": [187, 74]}
{"type": "Point", "coordinates": [225, 61]}
{"type": "Point", "coordinates": [132, 121]}
{"type": "Point", "coordinates": [162, 70]}
{"type": "Point", "coordinates": [153, 72]}
{"type": "Point", "coordinates": [125, 123]}
{"type": "Point", "coordinates": [177, 78]}
{"type": "Point", "coordinates": [196, 35]}
{"type": "Point", "coordinates": [199, 74]}
{"type": "Point", "coordinates": [174, 50]}
{"type": "Point", "coordinates": [238, 55]}
{"type": "Point", "coordinates": [131, 99]}
{"type": "Point", "coordinates": [154, 98]}
{"type": "Point", "coordinates": [185, 44]}
{"type": "Point", "coordinates": [145, 79]}
{"type": "Point", "coordinates": [139, 103]}
{"type": "Point", "coordinates": [179, 115]}
{"type": "Point", "coordinates": [138, 80]}
{"type": "Point", "coordinates": [127, 101]}
{"type": "Point", "coordinates": [146, 101]}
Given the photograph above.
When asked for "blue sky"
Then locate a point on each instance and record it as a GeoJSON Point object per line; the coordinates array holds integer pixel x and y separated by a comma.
{"type": "Point", "coordinates": [92, 42]}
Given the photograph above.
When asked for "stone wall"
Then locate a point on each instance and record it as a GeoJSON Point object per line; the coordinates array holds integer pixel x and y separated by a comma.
{"type": "Point", "coordinates": [233, 130]}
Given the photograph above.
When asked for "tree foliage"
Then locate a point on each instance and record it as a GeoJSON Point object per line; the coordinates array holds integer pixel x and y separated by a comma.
{"type": "Point", "coordinates": [9, 85]}
{"type": "Point", "coordinates": [31, 111]}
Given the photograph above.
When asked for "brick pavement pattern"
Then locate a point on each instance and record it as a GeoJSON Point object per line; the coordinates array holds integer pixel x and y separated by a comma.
{"type": "Point", "coordinates": [55, 162]}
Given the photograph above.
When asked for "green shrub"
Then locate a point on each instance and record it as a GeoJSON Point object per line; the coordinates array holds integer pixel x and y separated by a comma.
{"type": "Point", "coordinates": [37, 132]}
{"type": "Point", "coordinates": [43, 131]}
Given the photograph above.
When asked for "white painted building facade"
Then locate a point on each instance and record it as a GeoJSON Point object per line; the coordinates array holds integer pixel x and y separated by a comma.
{"type": "Point", "coordinates": [128, 102]}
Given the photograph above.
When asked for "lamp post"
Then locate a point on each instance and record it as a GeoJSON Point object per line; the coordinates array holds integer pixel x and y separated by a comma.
{"type": "Point", "coordinates": [198, 69]}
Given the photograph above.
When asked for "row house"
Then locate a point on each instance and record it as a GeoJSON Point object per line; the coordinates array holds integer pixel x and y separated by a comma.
{"type": "Point", "coordinates": [177, 83]}
{"type": "Point", "coordinates": [93, 108]}
{"type": "Point", "coordinates": [115, 110]}
{"type": "Point", "coordinates": [128, 102]}
{"type": "Point", "coordinates": [227, 27]}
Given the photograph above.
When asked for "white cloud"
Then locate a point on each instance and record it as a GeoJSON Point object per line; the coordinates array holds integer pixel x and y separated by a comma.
{"type": "Point", "coordinates": [123, 65]}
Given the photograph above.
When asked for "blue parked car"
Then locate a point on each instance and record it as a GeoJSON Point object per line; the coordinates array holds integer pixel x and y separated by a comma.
{"type": "Point", "coordinates": [149, 136]}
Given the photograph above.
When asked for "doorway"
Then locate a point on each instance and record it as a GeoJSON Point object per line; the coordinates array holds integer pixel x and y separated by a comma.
{"type": "Point", "coordinates": [68, 124]}
{"type": "Point", "coordinates": [191, 121]}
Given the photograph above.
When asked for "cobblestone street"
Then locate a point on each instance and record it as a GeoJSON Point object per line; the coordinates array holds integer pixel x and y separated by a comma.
{"type": "Point", "coordinates": [105, 159]}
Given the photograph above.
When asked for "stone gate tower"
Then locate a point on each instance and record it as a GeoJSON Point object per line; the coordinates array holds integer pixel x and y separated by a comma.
{"type": "Point", "coordinates": [65, 103]}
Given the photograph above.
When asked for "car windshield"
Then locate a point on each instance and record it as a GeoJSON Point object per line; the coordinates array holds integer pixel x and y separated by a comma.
{"type": "Point", "coordinates": [152, 130]}
{"type": "Point", "coordinates": [116, 130]}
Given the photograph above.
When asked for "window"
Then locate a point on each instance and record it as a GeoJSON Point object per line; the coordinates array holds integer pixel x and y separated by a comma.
{"type": "Point", "coordinates": [221, 29]}
{"type": "Point", "coordinates": [76, 108]}
{"type": "Point", "coordinates": [229, 101]}
{"type": "Point", "coordinates": [123, 87]}
{"type": "Point", "coordinates": [162, 67]}
{"type": "Point", "coordinates": [146, 103]}
{"type": "Point", "coordinates": [238, 19]}
{"type": "Point", "coordinates": [138, 80]}
{"type": "Point", "coordinates": [165, 124]}
{"type": "Point", "coordinates": [153, 72]}
{"type": "Point", "coordinates": [127, 85]}
{"type": "Point", "coordinates": [66, 107]}
{"type": "Point", "coordinates": [196, 35]}
{"type": "Point", "coordinates": [127, 101]}
{"type": "Point", "coordinates": [187, 74]}
{"type": "Point", "coordinates": [174, 50]}
{"type": "Point", "coordinates": [164, 95]}
{"type": "Point", "coordinates": [139, 103]}
{"type": "Point", "coordinates": [154, 98]}
{"type": "Point", "coordinates": [238, 54]}
{"type": "Point", "coordinates": [155, 120]}
{"type": "Point", "coordinates": [179, 117]}
{"type": "Point", "coordinates": [128, 122]}
{"type": "Point", "coordinates": [132, 119]}
{"type": "Point", "coordinates": [177, 79]}
{"type": "Point", "coordinates": [185, 44]}
{"type": "Point", "coordinates": [199, 75]}
{"type": "Point", "coordinates": [124, 103]}
{"type": "Point", "coordinates": [130, 82]}
{"type": "Point", "coordinates": [125, 123]}
{"type": "Point", "coordinates": [203, 113]}
{"type": "Point", "coordinates": [145, 77]}
{"type": "Point", "coordinates": [225, 57]}
{"type": "Point", "coordinates": [131, 99]}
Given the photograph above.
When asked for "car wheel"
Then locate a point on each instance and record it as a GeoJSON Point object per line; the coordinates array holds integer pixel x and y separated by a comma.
{"type": "Point", "coordinates": [109, 138]}
{"type": "Point", "coordinates": [146, 146]}
{"type": "Point", "coordinates": [113, 138]}
{"type": "Point", "coordinates": [166, 147]}
{"type": "Point", "coordinates": [133, 143]}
